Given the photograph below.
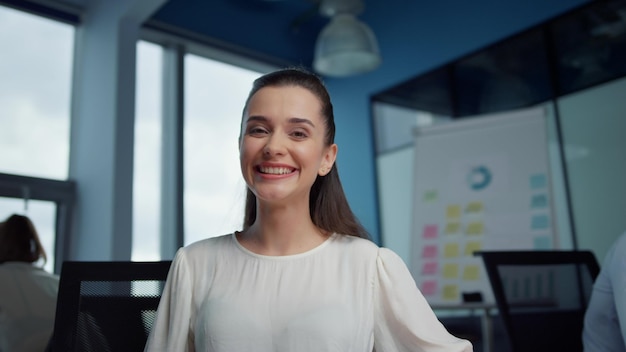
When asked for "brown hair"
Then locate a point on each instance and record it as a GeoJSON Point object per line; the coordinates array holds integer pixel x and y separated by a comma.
{"type": "Point", "coordinates": [19, 241]}
{"type": "Point", "coordinates": [328, 206]}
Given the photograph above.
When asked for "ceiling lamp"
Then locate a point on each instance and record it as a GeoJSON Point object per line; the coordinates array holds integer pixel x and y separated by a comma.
{"type": "Point", "coordinates": [346, 46]}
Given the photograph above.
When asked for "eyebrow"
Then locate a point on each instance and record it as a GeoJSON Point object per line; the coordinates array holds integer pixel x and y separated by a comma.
{"type": "Point", "coordinates": [293, 120]}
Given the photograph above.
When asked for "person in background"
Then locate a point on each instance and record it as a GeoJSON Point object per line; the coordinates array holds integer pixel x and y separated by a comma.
{"type": "Point", "coordinates": [302, 275]}
{"type": "Point", "coordinates": [605, 319]}
{"type": "Point", "coordinates": [28, 294]}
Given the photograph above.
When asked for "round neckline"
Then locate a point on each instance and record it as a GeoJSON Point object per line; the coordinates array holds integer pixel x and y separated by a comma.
{"type": "Point", "coordinates": [282, 257]}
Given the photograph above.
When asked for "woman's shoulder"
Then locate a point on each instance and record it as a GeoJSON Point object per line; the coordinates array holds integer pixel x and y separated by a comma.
{"type": "Point", "coordinates": [363, 246]}
{"type": "Point", "coordinates": [206, 247]}
{"type": "Point", "coordinates": [356, 245]}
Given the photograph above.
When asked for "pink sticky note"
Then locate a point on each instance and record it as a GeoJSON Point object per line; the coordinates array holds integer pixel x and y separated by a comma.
{"type": "Point", "coordinates": [429, 251]}
{"type": "Point", "coordinates": [429, 268]}
{"type": "Point", "coordinates": [430, 231]}
{"type": "Point", "coordinates": [429, 288]}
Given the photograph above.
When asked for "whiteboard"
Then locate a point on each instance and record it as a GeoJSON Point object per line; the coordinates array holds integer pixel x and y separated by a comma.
{"type": "Point", "coordinates": [480, 183]}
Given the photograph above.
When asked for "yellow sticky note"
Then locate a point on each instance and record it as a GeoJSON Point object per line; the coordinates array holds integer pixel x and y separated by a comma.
{"type": "Point", "coordinates": [475, 228]}
{"type": "Point", "coordinates": [450, 292]}
{"type": "Point", "coordinates": [451, 250]}
{"type": "Point", "coordinates": [451, 271]}
{"type": "Point", "coordinates": [471, 247]}
{"type": "Point", "coordinates": [471, 272]}
{"type": "Point", "coordinates": [452, 227]}
{"type": "Point", "coordinates": [453, 212]}
{"type": "Point", "coordinates": [474, 207]}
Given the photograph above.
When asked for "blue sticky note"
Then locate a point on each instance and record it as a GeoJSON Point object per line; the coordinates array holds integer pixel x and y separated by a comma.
{"type": "Point", "coordinates": [540, 222]}
{"type": "Point", "coordinates": [542, 242]}
{"type": "Point", "coordinates": [538, 181]}
{"type": "Point", "coordinates": [539, 201]}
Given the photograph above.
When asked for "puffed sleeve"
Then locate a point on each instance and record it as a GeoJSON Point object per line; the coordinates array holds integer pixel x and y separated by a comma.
{"type": "Point", "coordinates": [171, 329]}
{"type": "Point", "coordinates": [617, 274]}
{"type": "Point", "coordinates": [404, 320]}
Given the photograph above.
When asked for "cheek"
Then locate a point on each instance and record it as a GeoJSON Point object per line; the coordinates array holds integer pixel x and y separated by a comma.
{"type": "Point", "coordinates": [313, 156]}
{"type": "Point", "coordinates": [243, 159]}
{"type": "Point", "coordinates": [247, 151]}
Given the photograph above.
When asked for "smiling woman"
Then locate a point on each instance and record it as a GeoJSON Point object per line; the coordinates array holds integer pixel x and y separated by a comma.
{"type": "Point", "coordinates": [301, 276]}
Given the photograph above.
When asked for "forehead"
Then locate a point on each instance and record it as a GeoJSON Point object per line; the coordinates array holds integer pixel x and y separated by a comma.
{"type": "Point", "coordinates": [285, 100]}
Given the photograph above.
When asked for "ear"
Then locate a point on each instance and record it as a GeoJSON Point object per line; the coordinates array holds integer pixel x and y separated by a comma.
{"type": "Point", "coordinates": [330, 154]}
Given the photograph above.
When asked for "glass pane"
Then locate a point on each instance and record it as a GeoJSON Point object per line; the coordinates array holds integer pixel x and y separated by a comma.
{"type": "Point", "coordinates": [510, 75]}
{"type": "Point", "coordinates": [590, 45]}
{"type": "Point", "coordinates": [42, 214]}
{"type": "Point", "coordinates": [147, 168]}
{"type": "Point", "coordinates": [35, 67]}
{"type": "Point", "coordinates": [214, 188]}
{"type": "Point", "coordinates": [593, 126]}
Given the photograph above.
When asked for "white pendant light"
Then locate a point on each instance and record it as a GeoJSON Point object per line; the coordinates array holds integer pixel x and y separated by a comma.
{"type": "Point", "coordinates": [346, 46]}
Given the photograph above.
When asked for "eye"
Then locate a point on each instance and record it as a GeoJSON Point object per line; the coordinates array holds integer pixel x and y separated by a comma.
{"type": "Point", "coordinates": [256, 130]}
{"type": "Point", "coordinates": [299, 134]}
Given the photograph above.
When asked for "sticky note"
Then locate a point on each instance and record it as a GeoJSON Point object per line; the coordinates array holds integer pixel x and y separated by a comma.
{"type": "Point", "coordinates": [538, 201]}
{"type": "Point", "coordinates": [451, 250]}
{"type": "Point", "coordinates": [430, 251]}
{"type": "Point", "coordinates": [429, 287]}
{"type": "Point", "coordinates": [542, 242]}
{"type": "Point", "coordinates": [475, 228]}
{"type": "Point", "coordinates": [452, 228]}
{"type": "Point", "coordinates": [453, 212]}
{"type": "Point", "coordinates": [538, 181]}
{"type": "Point", "coordinates": [451, 271]}
{"type": "Point", "coordinates": [430, 196]}
{"type": "Point", "coordinates": [430, 268]}
{"type": "Point", "coordinates": [430, 231]}
{"type": "Point", "coordinates": [540, 222]}
{"type": "Point", "coordinates": [471, 272]}
{"type": "Point", "coordinates": [474, 207]}
{"type": "Point", "coordinates": [450, 292]}
{"type": "Point", "coordinates": [471, 247]}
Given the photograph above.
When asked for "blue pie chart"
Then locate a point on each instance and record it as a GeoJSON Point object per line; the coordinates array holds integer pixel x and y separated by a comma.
{"type": "Point", "coordinates": [479, 178]}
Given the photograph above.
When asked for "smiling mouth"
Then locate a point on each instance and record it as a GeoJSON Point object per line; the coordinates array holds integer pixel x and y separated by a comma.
{"type": "Point", "coordinates": [275, 170]}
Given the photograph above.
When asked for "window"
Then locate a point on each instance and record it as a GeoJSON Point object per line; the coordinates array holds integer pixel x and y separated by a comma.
{"type": "Point", "coordinates": [147, 159]}
{"type": "Point", "coordinates": [214, 188]}
{"type": "Point", "coordinates": [35, 67]}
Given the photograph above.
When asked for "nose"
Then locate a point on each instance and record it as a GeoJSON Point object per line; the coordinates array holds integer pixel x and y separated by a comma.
{"type": "Point", "coordinates": [275, 146]}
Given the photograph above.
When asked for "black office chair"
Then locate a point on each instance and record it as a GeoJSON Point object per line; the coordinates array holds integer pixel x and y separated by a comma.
{"type": "Point", "coordinates": [542, 296]}
{"type": "Point", "coordinates": [107, 306]}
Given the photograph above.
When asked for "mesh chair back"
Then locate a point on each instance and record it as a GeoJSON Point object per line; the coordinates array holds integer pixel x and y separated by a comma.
{"type": "Point", "coordinates": [107, 306]}
{"type": "Point", "coordinates": [542, 296]}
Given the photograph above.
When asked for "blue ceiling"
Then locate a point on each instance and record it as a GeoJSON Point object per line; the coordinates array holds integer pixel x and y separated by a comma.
{"type": "Point", "coordinates": [282, 32]}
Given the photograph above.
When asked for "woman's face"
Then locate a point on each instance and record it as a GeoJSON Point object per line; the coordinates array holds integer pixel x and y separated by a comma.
{"type": "Point", "coordinates": [281, 148]}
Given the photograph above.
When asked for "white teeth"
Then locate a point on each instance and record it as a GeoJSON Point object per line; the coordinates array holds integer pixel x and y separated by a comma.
{"type": "Point", "coordinates": [275, 170]}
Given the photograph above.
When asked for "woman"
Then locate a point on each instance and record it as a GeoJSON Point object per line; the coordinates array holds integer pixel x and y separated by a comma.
{"type": "Point", "coordinates": [28, 294]}
{"type": "Point", "coordinates": [605, 319]}
{"type": "Point", "coordinates": [300, 276]}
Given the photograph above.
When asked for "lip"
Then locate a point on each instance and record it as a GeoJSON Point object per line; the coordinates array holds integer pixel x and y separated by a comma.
{"type": "Point", "coordinates": [287, 170]}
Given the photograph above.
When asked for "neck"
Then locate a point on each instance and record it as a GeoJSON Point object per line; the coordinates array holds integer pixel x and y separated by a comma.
{"type": "Point", "coordinates": [282, 231]}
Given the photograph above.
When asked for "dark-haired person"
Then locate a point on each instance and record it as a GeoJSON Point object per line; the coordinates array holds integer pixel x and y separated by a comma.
{"type": "Point", "coordinates": [605, 318]}
{"type": "Point", "coordinates": [301, 275]}
{"type": "Point", "coordinates": [28, 293]}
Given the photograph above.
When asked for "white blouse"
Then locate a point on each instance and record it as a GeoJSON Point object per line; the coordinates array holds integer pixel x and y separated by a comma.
{"type": "Point", "coordinates": [347, 294]}
{"type": "Point", "coordinates": [28, 297]}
